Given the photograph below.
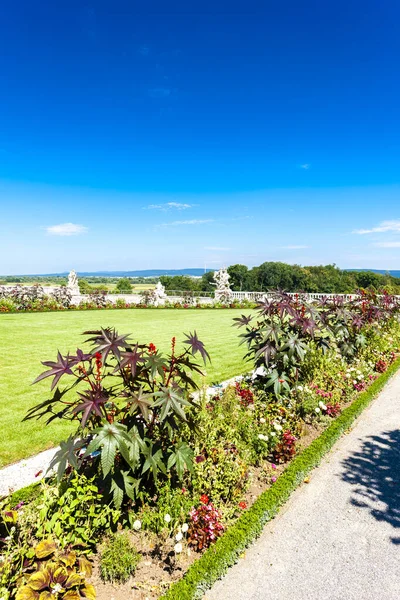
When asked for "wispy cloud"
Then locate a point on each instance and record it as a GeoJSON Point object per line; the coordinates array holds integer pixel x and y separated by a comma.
{"type": "Point", "coordinates": [168, 206]}
{"type": "Point", "coordinates": [189, 222]}
{"type": "Point", "coordinates": [144, 50]}
{"type": "Point", "coordinates": [387, 244]}
{"type": "Point", "coordinates": [217, 248]}
{"type": "Point", "coordinates": [66, 229]}
{"type": "Point", "coordinates": [381, 228]}
{"type": "Point", "coordinates": [305, 166]}
{"type": "Point", "coordinates": [294, 247]}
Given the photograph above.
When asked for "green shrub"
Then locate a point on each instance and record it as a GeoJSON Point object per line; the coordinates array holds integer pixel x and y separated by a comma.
{"type": "Point", "coordinates": [75, 512]}
{"type": "Point", "coordinates": [119, 558]}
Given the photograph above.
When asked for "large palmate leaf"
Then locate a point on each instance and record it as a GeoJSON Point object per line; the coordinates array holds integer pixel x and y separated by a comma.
{"type": "Point", "coordinates": [92, 402]}
{"type": "Point", "coordinates": [58, 368]}
{"type": "Point", "coordinates": [197, 346]}
{"type": "Point", "coordinates": [171, 400]}
{"type": "Point", "coordinates": [242, 320]}
{"type": "Point", "coordinates": [130, 359]}
{"type": "Point", "coordinates": [107, 341]}
{"type": "Point", "coordinates": [181, 457]}
{"type": "Point", "coordinates": [122, 483]}
{"type": "Point", "coordinates": [156, 364]}
{"type": "Point", "coordinates": [279, 381]}
{"type": "Point", "coordinates": [294, 346]}
{"type": "Point", "coordinates": [110, 439]}
{"type": "Point", "coordinates": [66, 455]}
{"type": "Point", "coordinates": [153, 461]}
{"type": "Point", "coordinates": [140, 401]}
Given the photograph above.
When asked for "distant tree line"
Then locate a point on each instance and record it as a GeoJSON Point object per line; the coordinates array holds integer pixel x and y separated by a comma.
{"type": "Point", "coordinates": [327, 279]}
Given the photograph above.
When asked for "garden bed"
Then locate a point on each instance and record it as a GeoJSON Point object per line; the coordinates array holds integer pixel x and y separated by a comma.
{"type": "Point", "coordinates": [185, 483]}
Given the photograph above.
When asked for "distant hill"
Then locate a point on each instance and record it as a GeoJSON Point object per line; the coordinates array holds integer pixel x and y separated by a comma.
{"type": "Point", "coordinates": [146, 273]}
{"type": "Point", "coordinates": [381, 271]}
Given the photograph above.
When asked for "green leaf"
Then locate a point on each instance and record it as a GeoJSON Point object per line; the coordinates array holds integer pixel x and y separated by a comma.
{"type": "Point", "coordinates": [153, 461]}
{"type": "Point", "coordinates": [171, 400]}
{"type": "Point", "coordinates": [66, 455]}
{"type": "Point", "coordinates": [140, 401]}
{"type": "Point", "coordinates": [181, 457]}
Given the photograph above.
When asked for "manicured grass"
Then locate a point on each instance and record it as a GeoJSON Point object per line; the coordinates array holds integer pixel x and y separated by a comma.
{"type": "Point", "coordinates": [28, 339]}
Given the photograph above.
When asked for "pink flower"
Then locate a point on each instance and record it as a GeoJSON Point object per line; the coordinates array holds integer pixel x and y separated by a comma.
{"type": "Point", "coordinates": [273, 466]}
{"type": "Point", "coordinates": [273, 479]}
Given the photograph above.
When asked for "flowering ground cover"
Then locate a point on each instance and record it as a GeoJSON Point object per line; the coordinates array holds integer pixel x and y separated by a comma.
{"type": "Point", "coordinates": [27, 339]}
{"type": "Point", "coordinates": [154, 477]}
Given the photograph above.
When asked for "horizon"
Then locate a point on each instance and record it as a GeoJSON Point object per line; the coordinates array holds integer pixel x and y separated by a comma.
{"type": "Point", "coordinates": [166, 272]}
{"type": "Point", "coordinates": [243, 133]}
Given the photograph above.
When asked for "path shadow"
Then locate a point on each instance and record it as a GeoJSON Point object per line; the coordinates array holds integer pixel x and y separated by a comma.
{"type": "Point", "coordinates": [374, 471]}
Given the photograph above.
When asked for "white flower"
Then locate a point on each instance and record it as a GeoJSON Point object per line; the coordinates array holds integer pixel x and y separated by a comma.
{"type": "Point", "coordinates": [317, 410]}
{"type": "Point", "coordinates": [278, 427]}
{"type": "Point", "coordinates": [179, 536]}
{"type": "Point", "coordinates": [167, 518]}
{"type": "Point", "coordinates": [273, 434]}
{"type": "Point", "coordinates": [260, 372]}
{"type": "Point", "coordinates": [348, 375]}
{"type": "Point", "coordinates": [57, 589]}
{"type": "Point", "coordinates": [355, 381]}
{"type": "Point", "coordinates": [300, 388]}
{"type": "Point", "coordinates": [178, 548]}
{"type": "Point", "coordinates": [322, 405]}
{"type": "Point", "coordinates": [262, 420]}
{"type": "Point", "coordinates": [137, 525]}
{"type": "Point", "coordinates": [185, 527]}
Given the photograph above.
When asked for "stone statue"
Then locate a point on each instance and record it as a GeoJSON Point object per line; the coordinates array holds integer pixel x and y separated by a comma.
{"type": "Point", "coordinates": [72, 284]}
{"type": "Point", "coordinates": [159, 294]}
{"type": "Point", "coordinates": [223, 293]}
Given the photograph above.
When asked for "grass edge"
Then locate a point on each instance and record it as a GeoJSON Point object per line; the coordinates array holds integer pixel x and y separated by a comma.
{"type": "Point", "coordinates": [214, 563]}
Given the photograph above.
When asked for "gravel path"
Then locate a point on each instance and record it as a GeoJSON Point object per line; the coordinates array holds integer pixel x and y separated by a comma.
{"type": "Point", "coordinates": [20, 474]}
{"type": "Point", "coordinates": [338, 538]}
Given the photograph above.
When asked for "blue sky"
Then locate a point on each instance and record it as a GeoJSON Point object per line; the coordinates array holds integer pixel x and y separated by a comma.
{"type": "Point", "coordinates": [170, 135]}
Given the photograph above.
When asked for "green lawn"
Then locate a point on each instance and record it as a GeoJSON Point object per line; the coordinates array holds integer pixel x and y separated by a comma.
{"type": "Point", "coordinates": [27, 339]}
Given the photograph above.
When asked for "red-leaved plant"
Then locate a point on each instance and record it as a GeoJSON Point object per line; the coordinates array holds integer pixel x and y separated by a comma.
{"type": "Point", "coordinates": [205, 524]}
{"type": "Point", "coordinates": [286, 448]}
{"type": "Point", "coordinates": [130, 403]}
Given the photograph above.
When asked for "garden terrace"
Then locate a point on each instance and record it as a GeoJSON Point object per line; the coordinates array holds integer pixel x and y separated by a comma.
{"type": "Point", "coordinates": [189, 476]}
{"type": "Point", "coordinates": [27, 339]}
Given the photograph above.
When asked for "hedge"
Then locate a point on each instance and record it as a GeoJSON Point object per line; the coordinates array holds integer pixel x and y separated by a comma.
{"type": "Point", "coordinates": [214, 563]}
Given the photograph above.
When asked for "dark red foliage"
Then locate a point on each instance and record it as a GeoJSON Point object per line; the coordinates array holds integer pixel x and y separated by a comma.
{"type": "Point", "coordinates": [381, 366]}
{"type": "Point", "coordinates": [286, 448]}
{"type": "Point", "coordinates": [205, 525]}
{"type": "Point", "coordinates": [333, 410]}
{"type": "Point", "coordinates": [245, 394]}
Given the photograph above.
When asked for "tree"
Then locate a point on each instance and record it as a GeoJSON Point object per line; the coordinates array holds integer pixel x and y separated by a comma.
{"type": "Point", "coordinates": [123, 286]}
{"type": "Point", "coordinates": [239, 277]}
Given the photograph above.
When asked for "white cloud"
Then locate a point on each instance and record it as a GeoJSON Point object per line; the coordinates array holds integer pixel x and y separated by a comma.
{"type": "Point", "coordinates": [381, 228]}
{"type": "Point", "coordinates": [169, 206]}
{"type": "Point", "coordinates": [388, 244]}
{"type": "Point", "coordinates": [66, 229]}
{"type": "Point", "coordinates": [294, 247]}
{"type": "Point", "coordinates": [305, 166]}
{"type": "Point", "coordinates": [217, 248]}
{"type": "Point", "coordinates": [190, 222]}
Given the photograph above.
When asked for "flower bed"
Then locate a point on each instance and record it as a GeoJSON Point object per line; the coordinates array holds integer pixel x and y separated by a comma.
{"type": "Point", "coordinates": [180, 473]}
{"type": "Point", "coordinates": [33, 299]}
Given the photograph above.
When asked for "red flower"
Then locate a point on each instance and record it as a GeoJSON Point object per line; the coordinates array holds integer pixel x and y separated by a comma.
{"type": "Point", "coordinates": [242, 505]}
{"type": "Point", "coordinates": [152, 348]}
{"type": "Point", "coordinates": [204, 499]}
